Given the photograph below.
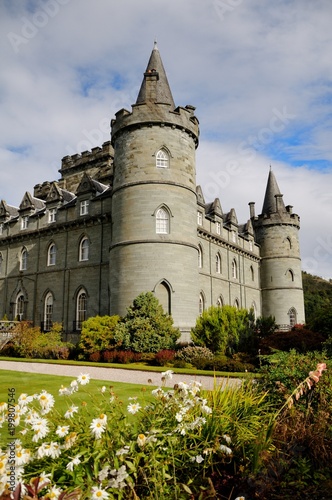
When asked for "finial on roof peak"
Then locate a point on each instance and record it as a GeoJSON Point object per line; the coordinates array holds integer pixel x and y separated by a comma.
{"type": "Point", "coordinates": [155, 46]}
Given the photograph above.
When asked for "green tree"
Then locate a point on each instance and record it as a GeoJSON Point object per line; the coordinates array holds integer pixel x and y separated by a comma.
{"type": "Point", "coordinates": [223, 329]}
{"type": "Point", "coordinates": [100, 333]}
{"type": "Point", "coordinates": [149, 329]}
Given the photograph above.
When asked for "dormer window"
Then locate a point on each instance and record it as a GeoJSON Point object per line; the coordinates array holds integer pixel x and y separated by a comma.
{"type": "Point", "coordinates": [162, 159]}
{"type": "Point", "coordinates": [1, 229]}
{"type": "Point", "coordinates": [52, 215]}
{"type": "Point", "coordinates": [218, 227]}
{"type": "Point", "coordinates": [24, 222]}
{"type": "Point", "coordinates": [199, 218]}
{"type": "Point", "coordinates": [84, 207]}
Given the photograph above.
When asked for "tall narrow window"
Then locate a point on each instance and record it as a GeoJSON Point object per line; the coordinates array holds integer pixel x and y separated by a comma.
{"type": "Point", "coordinates": [200, 257]}
{"type": "Point", "coordinates": [52, 215]}
{"type": "Point", "coordinates": [1, 261]}
{"type": "Point", "coordinates": [292, 316]}
{"type": "Point", "coordinates": [48, 312]}
{"type": "Point", "coordinates": [218, 227]}
{"type": "Point", "coordinates": [24, 222]}
{"type": "Point", "coordinates": [1, 228]}
{"type": "Point", "coordinates": [234, 269]}
{"type": "Point", "coordinates": [162, 159]}
{"type": "Point", "coordinates": [84, 207]}
{"type": "Point", "coordinates": [290, 275]}
{"type": "Point", "coordinates": [236, 304]}
{"type": "Point", "coordinates": [162, 221]}
{"type": "Point", "coordinates": [218, 263]}
{"type": "Point", "coordinates": [19, 309]}
{"type": "Point", "coordinates": [201, 303]}
{"type": "Point", "coordinates": [81, 306]}
{"type": "Point", "coordinates": [199, 218]}
{"type": "Point", "coordinates": [24, 260]}
{"type": "Point", "coordinates": [84, 249]}
{"type": "Point", "coordinates": [51, 256]}
{"type": "Point", "coordinates": [252, 273]}
{"type": "Point", "coordinates": [220, 301]}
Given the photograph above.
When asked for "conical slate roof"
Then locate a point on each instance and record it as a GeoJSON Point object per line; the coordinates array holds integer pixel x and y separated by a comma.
{"type": "Point", "coordinates": [164, 94]}
{"type": "Point", "coordinates": [272, 189]}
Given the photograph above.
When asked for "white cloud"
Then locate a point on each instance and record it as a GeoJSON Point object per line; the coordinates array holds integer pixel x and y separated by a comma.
{"type": "Point", "coordinates": [66, 71]}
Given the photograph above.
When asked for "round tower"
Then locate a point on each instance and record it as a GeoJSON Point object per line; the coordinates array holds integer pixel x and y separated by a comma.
{"type": "Point", "coordinates": [154, 206]}
{"type": "Point", "coordinates": [276, 231]}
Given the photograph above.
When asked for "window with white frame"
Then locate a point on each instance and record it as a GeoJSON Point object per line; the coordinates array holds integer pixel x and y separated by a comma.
{"type": "Point", "coordinates": [220, 301]}
{"type": "Point", "coordinates": [218, 227]}
{"type": "Point", "coordinates": [24, 222]}
{"type": "Point", "coordinates": [234, 269]}
{"type": "Point", "coordinates": [201, 305]}
{"type": "Point", "coordinates": [52, 215]}
{"type": "Point", "coordinates": [218, 263]}
{"type": "Point", "coordinates": [1, 228]}
{"type": "Point", "coordinates": [51, 255]}
{"type": "Point", "coordinates": [84, 249]}
{"type": "Point", "coordinates": [162, 221]}
{"type": "Point", "coordinates": [84, 207]}
{"type": "Point", "coordinates": [81, 308]}
{"type": "Point", "coordinates": [200, 257]}
{"type": "Point", "coordinates": [250, 246]}
{"type": "Point", "coordinates": [162, 159]}
{"type": "Point", "coordinates": [199, 218]}
{"type": "Point", "coordinates": [48, 312]}
{"type": "Point", "coordinates": [234, 236]}
{"type": "Point", "coordinates": [24, 260]}
{"type": "Point", "coordinates": [19, 307]}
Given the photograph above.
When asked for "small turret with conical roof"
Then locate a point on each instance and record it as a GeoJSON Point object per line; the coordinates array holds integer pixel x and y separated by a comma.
{"type": "Point", "coordinates": [276, 231]}
{"type": "Point", "coordinates": [154, 201]}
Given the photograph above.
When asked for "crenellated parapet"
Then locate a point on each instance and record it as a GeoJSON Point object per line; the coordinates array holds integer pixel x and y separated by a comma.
{"type": "Point", "coordinates": [156, 114]}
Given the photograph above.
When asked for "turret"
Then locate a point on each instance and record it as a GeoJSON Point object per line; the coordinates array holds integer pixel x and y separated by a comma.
{"type": "Point", "coordinates": [276, 231]}
{"type": "Point", "coordinates": [154, 240]}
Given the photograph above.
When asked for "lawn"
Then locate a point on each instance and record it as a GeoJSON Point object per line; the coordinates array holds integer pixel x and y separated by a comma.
{"type": "Point", "coordinates": [13, 383]}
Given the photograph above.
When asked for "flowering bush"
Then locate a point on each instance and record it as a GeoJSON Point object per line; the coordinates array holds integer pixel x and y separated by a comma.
{"type": "Point", "coordinates": [180, 443]}
{"type": "Point", "coordinates": [196, 356]}
{"type": "Point", "coordinates": [166, 447]}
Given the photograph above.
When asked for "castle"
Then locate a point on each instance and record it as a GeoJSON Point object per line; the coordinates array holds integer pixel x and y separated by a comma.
{"type": "Point", "coordinates": [127, 217]}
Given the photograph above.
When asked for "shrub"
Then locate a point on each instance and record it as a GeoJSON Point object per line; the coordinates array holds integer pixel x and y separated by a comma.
{"type": "Point", "coordinates": [100, 333]}
{"type": "Point", "coordinates": [109, 356]}
{"type": "Point", "coordinates": [125, 357]}
{"type": "Point", "coordinates": [147, 327]}
{"type": "Point", "coordinates": [164, 357]}
{"type": "Point", "coordinates": [95, 356]}
{"type": "Point", "coordinates": [199, 357]}
{"type": "Point", "coordinates": [224, 329]}
{"type": "Point", "coordinates": [299, 338]}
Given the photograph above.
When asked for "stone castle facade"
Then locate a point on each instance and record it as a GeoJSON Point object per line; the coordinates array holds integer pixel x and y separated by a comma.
{"type": "Point", "coordinates": [127, 217]}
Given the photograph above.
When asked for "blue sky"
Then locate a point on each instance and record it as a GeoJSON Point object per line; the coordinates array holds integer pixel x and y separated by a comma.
{"type": "Point", "coordinates": [258, 72]}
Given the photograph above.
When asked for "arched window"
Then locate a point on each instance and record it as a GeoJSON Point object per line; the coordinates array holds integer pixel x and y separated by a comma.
{"type": "Point", "coordinates": [200, 257]}
{"type": "Point", "coordinates": [84, 249]}
{"type": "Point", "coordinates": [252, 273]}
{"type": "Point", "coordinates": [254, 309]}
{"type": "Point", "coordinates": [51, 255]}
{"type": "Point", "coordinates": [237, 304]}
{"type": "Point", "coordinates": [218, 263]}
{"type": "Point", "coordinates": [162, 221]}
{"type": "Point", "coordinates": [201, 303]}
{"type": "Point", "coordinates": [163, 294]}
{"type": "Point", "coordinates": [292, 316]}
{"type": "Point", "coordinates": [234, 269]}
{"type": "Point", "coordinates": [81, 306]}
{"type": "Point", "coordinates": [290, 275]}
{"type": "Point", "coordinates": [289, 242]}
{"type": "Point", "coordinates": [19, 307]}
{"type": "Point", "coordinates": [48, 312]}
{"type": "Point", "coordinates": [220, 301]}
{"type": "Point", "coordinates": [162, 159]}
{"type": "Point", "coordinates": [24, 260]}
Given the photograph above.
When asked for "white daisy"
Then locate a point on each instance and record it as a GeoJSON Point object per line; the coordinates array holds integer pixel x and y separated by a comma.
{"type": "Point", "coordinates": [70, 412]}
{"type": "Point", "coordinates": [98, 493]}
{"type": "Point", "coordinates": [83, 378]}
{"type": "Point", "coordinates": [75, 461]}
{"type": "Point", "coordinates": [133, 408]}
{"type": "Point", "coordinates": [62, 430]}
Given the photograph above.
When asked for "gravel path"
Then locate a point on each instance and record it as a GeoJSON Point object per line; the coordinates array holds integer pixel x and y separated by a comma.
{"type": "Point", "coordinates": [114, 374]}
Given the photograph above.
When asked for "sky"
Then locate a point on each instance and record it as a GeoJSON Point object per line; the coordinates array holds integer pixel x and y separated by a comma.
{"type": "Point", "coordinates": [259, 73]}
